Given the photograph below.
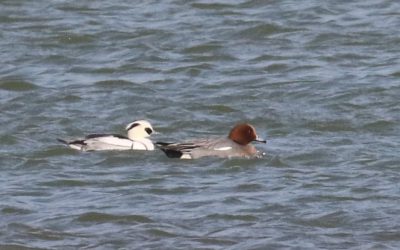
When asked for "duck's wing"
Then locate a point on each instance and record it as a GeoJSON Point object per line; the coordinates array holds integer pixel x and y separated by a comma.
{"type": "Point", "coordinates": [177, 146]}
{"type": "Point", "coordinates": [186, 149]}
{"type": "Point", "coordinates": [176, 150]}
{"type": "Point", "coordinates": [221, 147]}
{"type": "Point", "coordinates": [76, 144]}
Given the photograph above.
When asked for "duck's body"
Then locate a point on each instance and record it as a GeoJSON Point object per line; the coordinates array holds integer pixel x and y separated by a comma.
{"type": "Point", "coordinates": [235, 145]}
{"type": "Point", "coordinates": [138, 132]}
{"type": "Point", "coordinates": [99, 142]}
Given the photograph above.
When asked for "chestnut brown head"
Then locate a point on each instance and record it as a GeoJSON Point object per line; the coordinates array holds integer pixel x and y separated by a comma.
{"type": "Point", "coordinates": [244, 133]}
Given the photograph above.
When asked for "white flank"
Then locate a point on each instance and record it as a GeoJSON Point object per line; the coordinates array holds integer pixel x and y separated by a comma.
{"type": "Point", "coordinates": [143, 144]}
{"type": "Point", "coordinates": [186, 156]}
{"type": "Point", "coordinates": [223, 148]}
{"type": "Point", "coordinates": [77, 147]}
{"type": "Point", "coordinates": [112, 140]}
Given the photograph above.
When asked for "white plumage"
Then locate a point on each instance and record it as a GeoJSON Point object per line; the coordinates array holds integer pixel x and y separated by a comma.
{"type": "Point", "coordinates": [137, 139]}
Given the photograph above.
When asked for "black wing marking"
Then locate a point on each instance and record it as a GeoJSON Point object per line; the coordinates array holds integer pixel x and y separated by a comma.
{"type": "Point", "coordinates": [176, 150]}
{"type": "Point", "coordinates": [62, 141]}
{"type": "Point", "coordinates": [172, 153]}
{"type": "Point", "coordinates": [177, 146]}
{"type": "Point", "coordinates": [79, 142]}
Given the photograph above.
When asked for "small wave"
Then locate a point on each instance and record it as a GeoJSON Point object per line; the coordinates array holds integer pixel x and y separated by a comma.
{"type": "Point", "coordinates": [250, 187]}
{"type": "Point", "coordinates": [170, 191]}
{"type": "Point", "coordinates": [15, 210]}
{"type": "Point", "coordinates": [37, 232]}
{"type": "Point", "coordinates": [396, 74]}
{"type": "Point", "coordinates": [330, 220]}
{"type": "Point", "coordinates": [65, 183]}
{"type": "Point", "coordinates": [202, 48]}
{"type": "Point", "coordinates": [211, 6]}
{"type": "Point", "coordinates": [96, 217]}
{"type": "Point", "coordinates": [113, 83]}
{"type": "Point", "coordinates": [330, 125]}
{"type": "Point", "coordinates": [230, 217]}
{"type": "Point", "coordinates": [161, 233]}
{"type": "Point", "coordinates": [70, 38]}
{"type": "Point", "coordinates": [262, 30]}
{"type": "Point", "coordinates": [380, 125]}
{"type": "Point", "coordinates": [17, 247]}
{"type": "Point", "coordinates": [17, 85]}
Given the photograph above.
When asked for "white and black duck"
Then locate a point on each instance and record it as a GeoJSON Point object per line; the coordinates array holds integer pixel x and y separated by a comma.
{"type": "Point", "coordinates": [136, 139]}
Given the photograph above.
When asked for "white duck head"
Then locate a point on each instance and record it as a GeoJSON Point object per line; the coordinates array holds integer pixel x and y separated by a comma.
{"type": "Point", "coordinates": [139, 129]}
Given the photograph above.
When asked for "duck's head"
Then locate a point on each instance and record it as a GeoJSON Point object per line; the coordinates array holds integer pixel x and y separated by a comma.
{"type": "Point", "coordinates": [139, 129]}
{"type": "Point", "coordinates": [244, 133]}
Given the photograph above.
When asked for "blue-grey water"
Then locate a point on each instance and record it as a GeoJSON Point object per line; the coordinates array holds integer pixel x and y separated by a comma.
{"type": "Point", "coordinates": [319, 79]}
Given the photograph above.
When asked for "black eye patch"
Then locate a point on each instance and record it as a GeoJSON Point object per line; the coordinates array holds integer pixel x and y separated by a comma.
{"type": "Point", "coordinates": [132, 126]}
{"type": "Point", "coordinates": [148, 130]}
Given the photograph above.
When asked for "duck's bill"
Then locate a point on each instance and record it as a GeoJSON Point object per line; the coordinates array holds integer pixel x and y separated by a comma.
{"type": "Point", "coordinates": [258, 139]}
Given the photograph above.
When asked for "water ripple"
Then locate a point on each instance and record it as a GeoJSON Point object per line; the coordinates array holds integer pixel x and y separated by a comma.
{"type": "Point", "coordinates": [95, 217]}
{"type": "Point", "coordinates": [318, 80]}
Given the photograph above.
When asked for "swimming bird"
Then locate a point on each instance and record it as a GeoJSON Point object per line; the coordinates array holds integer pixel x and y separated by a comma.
{"type": "Point", "coordinates": [136, 139]}
{"type": "Point", "coordinates": [237, 144]}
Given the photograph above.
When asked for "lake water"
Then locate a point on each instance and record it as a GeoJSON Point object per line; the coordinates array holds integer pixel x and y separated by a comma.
{"type": "Point", "coordinates": [319, 79]}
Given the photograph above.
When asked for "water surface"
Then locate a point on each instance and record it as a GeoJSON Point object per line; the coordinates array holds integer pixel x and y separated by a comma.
{"type": "Point", "coordinates": [319, 80]}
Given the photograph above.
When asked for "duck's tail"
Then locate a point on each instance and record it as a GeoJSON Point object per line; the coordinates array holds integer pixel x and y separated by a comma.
{"type": "Point", "coordinates": [62, 141]}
